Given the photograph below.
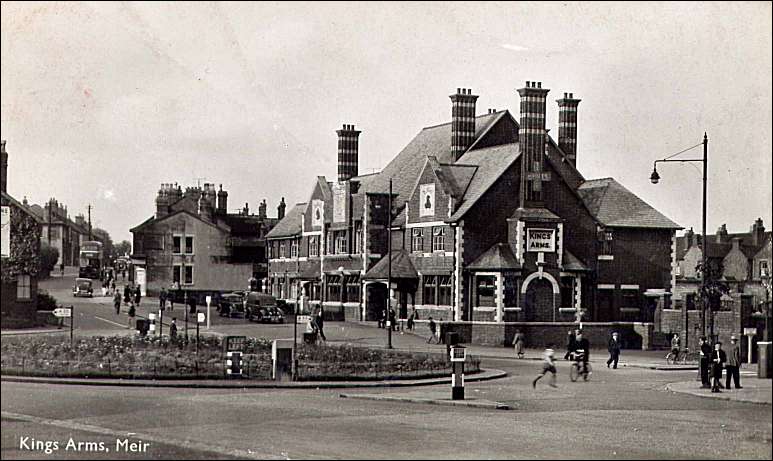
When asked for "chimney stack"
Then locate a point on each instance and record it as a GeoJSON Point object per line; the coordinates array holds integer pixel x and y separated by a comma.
{"type": "Point", "coordinates": [280, 210]}
{"type": "Point", "coordinates": [758, 232]}
{"type": "Point", "coordinates": [688, 236]}
{"type": "Point", "coordinates": [348, 146]}
{"type": "Point", "coordinates": [163, 200]}
{"type": "Point", "coordinates": [532, 138]}
{"type": "Point", "coordinates": [246, 209]}
{"type": "Point", "coordinates": [262, 209]}
{"type": "Point", "coordinates": [3, 167]}
{"type": "Point", "coordinates": [721, 236]}
{"type": "Point", "coordinates": [462, 121]}
{"type": "Point", "coordinates": [222, 201]}
{"type": "Point", "coordinates": [567, 126]}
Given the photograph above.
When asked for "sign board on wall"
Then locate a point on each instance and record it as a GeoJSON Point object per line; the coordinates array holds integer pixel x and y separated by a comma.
{"type": "Point", "coordinates": [542, 240]}
{"type": "Point", "coordinates": [427, 200]}
{"type": "Point", "coordinates": [339, 202]}
{"type": "Point", "coordinates": [317, 213]}
{"type": "Point", "coordinates": [6, 231]}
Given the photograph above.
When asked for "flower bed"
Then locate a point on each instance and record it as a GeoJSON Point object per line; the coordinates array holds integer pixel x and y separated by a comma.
{"type": "Point", "coordinates": [151, 357]}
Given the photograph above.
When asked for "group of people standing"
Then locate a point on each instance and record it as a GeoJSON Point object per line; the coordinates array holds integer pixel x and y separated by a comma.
{"type": "Point", "coordinates": [715, 359]}
{"type": "Point", "coordinates": [132, 298]}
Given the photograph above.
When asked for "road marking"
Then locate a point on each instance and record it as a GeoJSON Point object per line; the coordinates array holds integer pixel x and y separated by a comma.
{"type": "Point", "coordinates": [186, 444]}
{"type": "Point", "coordinates": [122, 325]}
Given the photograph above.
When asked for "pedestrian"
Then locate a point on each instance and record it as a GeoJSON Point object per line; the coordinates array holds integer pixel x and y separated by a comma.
{"type": "Point", "coordinates": [173, 330]}
{"type": "Point", "coordinates": [117, 303]}
{"type": "Point", "coordinates": [411, 319]}
{"type": "Point", "coordinates": [518, 341]}
{"type": "Point", "coordinates": [61, 268]}
{"type": "Point", "coordinates": [137, 295]}
{"type": "Point", "coordinates": [718, 359]}
{"type": "Point", "coordinates": [733, 366]}
{"type": "Point", "coordinates": [320, 321]}
{"type": "Point", "coordinates": [705, 349]}
{"type": "Point", "coordinates": [104, 288]}
{"type": "Point", "coordinates": [392, 319]}
{"type": "Point", "coordinates": [191, 304]}
{"type": "Point", "coordinates": [614, 350]}
{"type": "Point", "coordinates": [112, 287]}
{"type": "Point", "coordinates": [675, 346]}
{"type": "Point", "coordinates": [127, 293]}
{"type": "Point", "coordinates": [548, 365]}
{"type": "Point", "coordinates": [162, 299]}
{"type": "Point", "coordinates": [569, 344]}
{"type": "Point", "coordinates": [132, 312]}
{"type": "Point", "coordinates": [382, 319]}
{"type": "Point", "coordinates": [433, 332]}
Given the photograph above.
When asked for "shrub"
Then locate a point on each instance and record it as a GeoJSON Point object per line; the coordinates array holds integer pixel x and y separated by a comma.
{"type": "Point", "coordinates": [46, 302]}
{"type": "Point", "coordinates": [48, 257]}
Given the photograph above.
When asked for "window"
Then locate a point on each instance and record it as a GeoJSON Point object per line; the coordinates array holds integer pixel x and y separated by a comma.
{"type": "Point", "coordinates": [438, 239]}
{"type": "Point", "coordinates": [189, 245]}
{"type": "Point", "coordinates": [511, 290]}
{"type": "Point", "coordinates": [188, 275]}
{"type": "Point", "coordinates": [23, 287]}
{"type": "Point", "coordinates": [690, 302]}
{"type": "Point", "coordinates": [430, 290]}
{"type": "Point", "coordinates": [314, 245]}
{"type": "Point", "coordinates": [486, 294]}
{"type": "Point", "coordinates": [340, 242]}
{"type": "Point", "coordinates": [567, 291]}
{"type": "Point", "coordinates": [631, 299]}
{"type": "Point", "coordinates": [417, 240]}
{"type": "Point", "coordinates": [177, 244]}
{"type": "Point", "coordinates": [444, 290]}
{"type": "Point", "coordinates": [334, 288]}
{"type": "Point", "coordinates": [281, 249]}
{"type": "Point", "coordinates": [764, 270]}
{"type": "Point", "coordinates": [177, 274]}
{"type": "Point", "coordinates": [294, 249]}
{"type": "Point", "coordinates": [358, 247]}
{"type": "Point", "coordinates": [606, 242]}
{"type": "Point", "coordinates": [352, 289]}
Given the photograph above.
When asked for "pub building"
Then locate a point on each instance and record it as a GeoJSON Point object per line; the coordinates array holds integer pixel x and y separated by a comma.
{"type": "Point", "coordinates": [493, 228]}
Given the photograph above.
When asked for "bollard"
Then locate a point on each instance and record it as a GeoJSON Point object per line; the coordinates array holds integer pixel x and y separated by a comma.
{"type": "Point", "coordinates": [765, 360]}
{"type": "Point", "coordinates": [458, 356]}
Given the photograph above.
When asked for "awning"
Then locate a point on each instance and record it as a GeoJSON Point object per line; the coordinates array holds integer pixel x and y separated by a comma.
{"type": "Point", "coordinates": [498, 258]}
{"type": "Point", "coordinates": [402, 268]}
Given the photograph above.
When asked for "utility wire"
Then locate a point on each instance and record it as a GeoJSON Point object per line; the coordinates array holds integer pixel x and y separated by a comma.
{"type": "Point", "coordinates": [683, 151]}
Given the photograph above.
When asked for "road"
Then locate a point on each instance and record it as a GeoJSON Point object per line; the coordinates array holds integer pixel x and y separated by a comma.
{"type": "Point", "coordinates": [624, 413]}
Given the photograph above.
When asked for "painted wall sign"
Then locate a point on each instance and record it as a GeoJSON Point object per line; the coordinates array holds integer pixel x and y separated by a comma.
{"type": "Point", "coordinates": [427, 200]}
{"type": "Point", "coordinates": [542, 240]}
{"type": "Point", "coordinates": [5, 222]}
{"type": "Point", "coordinates": [339, 202]}
{"type": "Point", "coordinates": [317, 213]}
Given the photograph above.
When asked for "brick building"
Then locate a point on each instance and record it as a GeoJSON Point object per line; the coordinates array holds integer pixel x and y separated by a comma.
{"type": "Point", "coordinates": [61, 232]}
{"type": "Point", "coordinates": [193, 242]}
{"type": "Point", "coordinates": [492, 226]}
{"type": "Point", "coordinates": [742, 263]}
{"type": "Point", "coordinates": [20, 263]}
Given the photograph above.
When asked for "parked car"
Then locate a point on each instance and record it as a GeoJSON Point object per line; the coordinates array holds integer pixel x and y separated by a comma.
{"type": "Point", "coordinates": [231, 304]}
{"type": "Point", "coordinates": [261, 307]}
{"type": "Point", "coordinates": [82, 287]}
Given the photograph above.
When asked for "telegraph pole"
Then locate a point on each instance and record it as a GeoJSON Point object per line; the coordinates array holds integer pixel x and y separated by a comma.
{"type": "Point", "coordinates": [89, 209]}
{"type": "Point", "coordinates": [389, 267]}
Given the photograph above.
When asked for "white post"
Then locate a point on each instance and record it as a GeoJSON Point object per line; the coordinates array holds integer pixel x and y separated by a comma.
{"type": "Point", "coordinates": [209, 303]}
{"type": "Point", "coordinates": [749, 351]}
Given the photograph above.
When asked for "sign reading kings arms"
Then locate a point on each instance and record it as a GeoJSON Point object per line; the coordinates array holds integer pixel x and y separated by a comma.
{"type": "Point", "coordinates": [541, 240]}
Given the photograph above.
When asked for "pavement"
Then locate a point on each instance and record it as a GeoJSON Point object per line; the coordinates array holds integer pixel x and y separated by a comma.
{"type": "Point", "coordinates": [755, 390]}
{"type": "Point", "coordinates": [433, 397]}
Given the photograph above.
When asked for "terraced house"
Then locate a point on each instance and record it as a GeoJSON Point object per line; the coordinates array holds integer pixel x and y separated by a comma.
{"type": "Point", "coordinates": [491, 224]}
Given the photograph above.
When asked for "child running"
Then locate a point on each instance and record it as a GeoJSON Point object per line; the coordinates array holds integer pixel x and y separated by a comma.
{"type": "Point", "coordinates": [547, 366]}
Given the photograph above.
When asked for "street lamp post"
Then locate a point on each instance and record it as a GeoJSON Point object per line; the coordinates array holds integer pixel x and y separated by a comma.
{"type": "Point", "coordinates": [389, 266]}
{"type": "Point", "coordinates": [655, 178]}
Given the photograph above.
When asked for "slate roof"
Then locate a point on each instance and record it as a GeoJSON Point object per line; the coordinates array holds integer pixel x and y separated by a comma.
{"type": "Point", "coordinates": [720, 250]}
{"type": "Point", "coordinates": [19, 205]}
{"type": "Point", "coordinates": [615, 206]}
{"type": "Point", "coordinates": [402, 267]}
{"type": "Point", "coordinates": [491, 163]}
{"type": "Point", "coordinates": [290, 225]}
{"type": "Point", "coordinates": [572, 263]}
{"type": "Point", "coordinates": [497, 258]}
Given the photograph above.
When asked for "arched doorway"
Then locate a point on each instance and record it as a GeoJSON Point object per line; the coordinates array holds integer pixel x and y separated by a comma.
{"type": "Point", "coordinates": [539, 301]}
{"type": "Point", "coordinates": [377, 300]}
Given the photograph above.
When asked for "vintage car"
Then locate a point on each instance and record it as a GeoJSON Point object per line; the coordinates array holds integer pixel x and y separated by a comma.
{"type": "Point", "coordinates": [231, 304]}
{"type": "Point", "coordinates": [261, 307]}
{"type": "Point", "coordinates": [82, 287]}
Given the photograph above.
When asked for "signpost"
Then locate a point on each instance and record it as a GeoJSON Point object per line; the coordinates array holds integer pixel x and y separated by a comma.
{"type": "Point", "coordinates": [209, 303]}
{"type": "Point", "coordinates": [458, 356]}
{"type": "Point", "coordinates": [64, 312]}
{"type": "Point", "coordinates": [233, 347]}
{"type": "Point", "coordinates": [200, 318]}
{"type": "Point", "coordinates": [749, 333]}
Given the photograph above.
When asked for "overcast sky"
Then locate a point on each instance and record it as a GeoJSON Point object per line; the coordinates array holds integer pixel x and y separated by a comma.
{"type": "Point", "coordinates": [102, 102]}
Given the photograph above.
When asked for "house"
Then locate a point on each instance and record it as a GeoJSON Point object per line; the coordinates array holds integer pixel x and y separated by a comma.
{"type": "Point", "coordinates": [20, 257]}
{"type": "Point", "coordinates": [492, 225]}
{"type": "Point", "coordinates": [193, 243]}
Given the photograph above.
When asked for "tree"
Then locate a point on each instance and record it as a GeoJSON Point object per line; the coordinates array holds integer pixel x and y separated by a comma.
{"type": "Point", "coordinates": [107, 242]}
{"type": "Point", "coordinates": [123, 248]}
{"type": "Point", "coordinates": [48, 257]}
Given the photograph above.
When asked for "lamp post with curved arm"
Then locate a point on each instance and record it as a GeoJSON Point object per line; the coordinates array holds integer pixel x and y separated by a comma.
{"type": "Point", "coordinates": [655, 178]}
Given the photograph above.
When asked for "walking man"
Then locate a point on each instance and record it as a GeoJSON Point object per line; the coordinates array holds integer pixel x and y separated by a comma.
{"type": "Point", "coordinates": [173, 330]}
{"type": "Point", "coordinates": [162, 299]}
{"type": "Point", "coordinates": [132, 313]}
{"type": "Point", "coordinates": [137, 295]}
{"type": "Point", "coordinates": [411, 319]}
{"type": "Point", "coordinates": [433, 332]}
{"type": "Point", "coordinates": [718, 359]}
{"type": "Point", "coordinates": [569, 344]}
{"type": "Point", "coordinates": [614, 351]}
{"type": "Point", "coordinates": [733, 366]}
{"type": "Point", "coordinates": [127, 293]}
{"type": "Point", "coordinates": [117, 302]}
{"type": "Point", "coordinates": [705, 362]}
{"type": "Point", "coordinates": [320, 322]}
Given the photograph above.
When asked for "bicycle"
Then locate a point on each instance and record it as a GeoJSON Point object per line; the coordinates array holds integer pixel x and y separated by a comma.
{"type": "Point", "coordinates": [682, 357]}
{"type": "Point", "coordinates": [577, 369]}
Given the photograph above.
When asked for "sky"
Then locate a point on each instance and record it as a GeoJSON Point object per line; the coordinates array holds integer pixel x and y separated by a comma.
{"type": "Point", "coordinates": [102, 102]}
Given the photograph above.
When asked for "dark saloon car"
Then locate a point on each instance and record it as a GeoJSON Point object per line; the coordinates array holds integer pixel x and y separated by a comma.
{"type": "Point", "coordinates": [231, 304]}
{"type": "Point", "coordinates": [263, 308]}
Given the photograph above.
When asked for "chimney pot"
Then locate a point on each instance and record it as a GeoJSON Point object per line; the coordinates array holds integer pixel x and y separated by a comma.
{"type": "Point", "coordinates": [571, 95]}
{"type": "Point", "coordinates": [539, 84]}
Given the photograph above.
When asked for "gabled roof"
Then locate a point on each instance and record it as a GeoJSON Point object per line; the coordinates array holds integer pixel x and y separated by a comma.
{"type": "Point", "coordinates": [290, 225]}
{"type": "Point", "coordinates": [37, 210]}
{"type": "Point", "coordinates": [491, 163]}
{"type": "Point", "coordinates": [615, 206]}
{"type": "Point", "coordinates": [497, 258]}
{"type": "Point", "coordinates": [402, 267]}
{"type": "Point", "coordinates": [153, 219]}
{"type": "Point", "coordinates": [21, 206]}
{"type": "Point", "coordinates": [572, 263]}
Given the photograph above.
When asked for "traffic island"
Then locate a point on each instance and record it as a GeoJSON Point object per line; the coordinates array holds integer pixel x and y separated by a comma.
{"type": "Point", "coordinates": [431, 398]}
{"type": "Point", "coordinates": [755, 390]}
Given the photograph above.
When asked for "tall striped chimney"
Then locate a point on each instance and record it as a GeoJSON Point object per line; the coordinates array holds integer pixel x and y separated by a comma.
{"type": "Point", "coordinates": [567, 126]}
{"type": "Point", "coordinates": [462, 121]}
{"type": "Point", "coordinates": [348, 146]}
{"type": "Point", "coordinates": [532, 137]}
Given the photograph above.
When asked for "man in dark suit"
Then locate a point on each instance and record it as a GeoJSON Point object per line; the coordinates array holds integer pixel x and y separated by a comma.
{"type": "Point", "coordinates": [718, 359]}
{"type": "Point", "coordinates": [614, 351]}
{"type": "Point", "coordinates": [705, 362]}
